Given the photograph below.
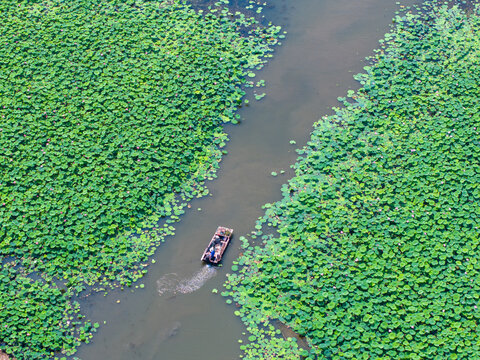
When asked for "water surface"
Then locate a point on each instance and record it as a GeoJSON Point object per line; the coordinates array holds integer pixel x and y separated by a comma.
{"type": "Point", "coordinates": [176, 316]}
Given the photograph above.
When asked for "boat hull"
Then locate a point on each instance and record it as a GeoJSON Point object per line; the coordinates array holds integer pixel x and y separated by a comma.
{"type": "Point", "coordinates": [213, 253]}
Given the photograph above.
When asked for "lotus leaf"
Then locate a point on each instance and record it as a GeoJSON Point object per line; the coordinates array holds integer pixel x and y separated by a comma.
{"type": "Point", "coordinates": [111, 119]}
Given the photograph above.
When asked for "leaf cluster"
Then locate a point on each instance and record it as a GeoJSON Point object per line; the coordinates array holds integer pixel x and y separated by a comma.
{"type": "Point", "coordinates": [37, 318]}
{"type": "Point", "coordinates": [111, 118]}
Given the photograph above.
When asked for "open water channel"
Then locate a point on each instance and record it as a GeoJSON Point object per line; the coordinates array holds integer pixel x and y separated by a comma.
{"type": "Point", "coordinates": [176, 316]}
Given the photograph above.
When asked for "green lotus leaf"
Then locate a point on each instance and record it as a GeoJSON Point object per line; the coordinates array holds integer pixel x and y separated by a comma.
{"type": "Point", "coordinates": [108, 123]}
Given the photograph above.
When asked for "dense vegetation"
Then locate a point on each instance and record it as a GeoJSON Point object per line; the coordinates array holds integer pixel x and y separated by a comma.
{"type": "Point", "coordinates": [376, 254]}
{"type": "Point", "coordinates": [111, 117]}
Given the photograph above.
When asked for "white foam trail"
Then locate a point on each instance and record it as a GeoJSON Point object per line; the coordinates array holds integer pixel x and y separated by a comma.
{"type": "Point", "coordinates": [167, 284]}
{"type": "Point", "coordinates": [197, 280]}
{"type": "Point", "coordinates": [171, 284]}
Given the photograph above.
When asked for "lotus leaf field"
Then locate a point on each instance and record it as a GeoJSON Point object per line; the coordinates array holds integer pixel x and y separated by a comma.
{"type": "Point", "coordinates": [376, 253]}
{"type": "Point", "coordinates": [111, 119]}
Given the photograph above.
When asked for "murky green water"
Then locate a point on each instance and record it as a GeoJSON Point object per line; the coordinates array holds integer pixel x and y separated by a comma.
{"type": "Point", "coordinates": [176, 316]}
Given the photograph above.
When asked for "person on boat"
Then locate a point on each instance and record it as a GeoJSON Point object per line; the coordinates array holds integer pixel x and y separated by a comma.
{"type": "Point", "coordinates": [212, 255]}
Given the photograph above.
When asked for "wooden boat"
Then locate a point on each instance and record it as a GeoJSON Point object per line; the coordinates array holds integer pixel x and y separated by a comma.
{"type": "Point", "coordinates": [215, 249]}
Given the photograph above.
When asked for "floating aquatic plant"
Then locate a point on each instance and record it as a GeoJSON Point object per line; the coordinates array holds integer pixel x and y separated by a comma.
{"type": "Point", "coordinates": [376, 252]}
{"type": "Point", "coordinates": [37, 318]}
{"type": "Point", "coordinates": [111, 118]}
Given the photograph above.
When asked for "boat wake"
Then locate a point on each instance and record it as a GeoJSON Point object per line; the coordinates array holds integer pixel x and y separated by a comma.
{"type": "Point", "coordinates": [167, 284]}
{"type": "Point", "coordinates": [172, 284]}
{"type": "Point", "coordinates": [197, 280]}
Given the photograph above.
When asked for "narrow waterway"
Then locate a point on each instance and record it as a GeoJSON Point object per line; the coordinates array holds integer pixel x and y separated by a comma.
{"type": "Point", "coordinates": [175, 316]}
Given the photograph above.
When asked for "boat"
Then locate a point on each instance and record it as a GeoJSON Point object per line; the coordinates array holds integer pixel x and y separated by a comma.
{"type": "Point", "coordinates": [214, 251]}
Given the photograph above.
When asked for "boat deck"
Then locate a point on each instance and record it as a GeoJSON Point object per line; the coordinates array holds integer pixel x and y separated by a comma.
{"type": "Point", "coordinates": [214, 251]}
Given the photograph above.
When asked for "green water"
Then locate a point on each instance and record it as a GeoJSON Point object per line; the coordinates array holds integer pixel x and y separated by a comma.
{"type": "Point", "coordinates": [176, 316]}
